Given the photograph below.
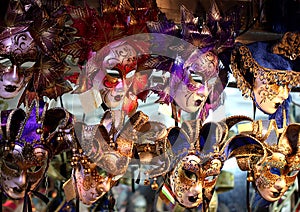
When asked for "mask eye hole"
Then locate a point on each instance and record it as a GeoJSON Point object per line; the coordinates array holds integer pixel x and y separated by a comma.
{"type": "Point", "coordinates": [197, 78]}
{"type": "Point", "coordinates": [101, 172]}
{"type": "Point", "coordinates": [12, 166]}
{"type": "Point", "coordinates": [110, 82]}
{"type": "Point", "coordinates": [113, 73]}
{"type": "Point", "coordinates": [5, 62]}
{"type": "Point", "coordinates": [210, 178]}
{"type": "Point", "coordinates": [27, 65]}
{"type": "Point", "coordinates": [34, 169]}
{"type": "Point", "coordinates": [292, 173]}
{"type": "Point", "coordinates": [276, 171]}
{"type": "Point", "coordinates": [190, 175]}
{"type": "Point", "coordinates": [130, 74]}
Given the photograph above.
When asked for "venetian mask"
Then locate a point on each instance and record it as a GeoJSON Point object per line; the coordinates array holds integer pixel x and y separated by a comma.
{"type": "Point", "coordinates": [23, 169]}
{"type": "Point", "coordinates": [192, 81]}
{"type": "Point", "coordinates": [270, 156]}
{"type": "Point", "coordinates": [18, 54]}
{"type": "Point", "coordinates": [103, 152]}
{"type": "Point", "coordinates": [118, 63]}
{"type": "Point", "coordinates": [263, 75]}
{"type": "Point", "coordinates": [192, 180]}
{"type": "Point", "coordinates": [270, 105]}
{"type": "Point", "coordinates": [198, 161]}
{"type": "Point", "coordinates": [29, 141]}
{"type": "Point", "coordinates": [195, 82]}
{"type": "Point", "coordinates": [91, 182]}
{"type": "Point", "coordinates": [274, 176]}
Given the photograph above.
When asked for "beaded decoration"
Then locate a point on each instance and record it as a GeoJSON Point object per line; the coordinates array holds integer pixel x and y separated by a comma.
{"type": "Point", "coordinates": [196, 158]}
{"type": "Point", "coordinates": [29, 141]}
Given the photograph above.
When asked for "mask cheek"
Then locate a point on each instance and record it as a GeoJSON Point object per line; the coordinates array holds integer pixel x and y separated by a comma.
{"type": "Point", "coordinates": [266, 179]}
{"type": "Point", "coordinates": [35, 177]}
{"type": "Point", "coordinates": [290, 180]}
{"type": "Point", "coordinates": [177, 184]}
{"type": "Point", "coordinates": [209, 186]}
{"type": "Point", "coordinates": [10, 179]}
{"type": "Point", "coordinates": [113, 94]}
{"type": "Point", "coordinates": [86, 187]}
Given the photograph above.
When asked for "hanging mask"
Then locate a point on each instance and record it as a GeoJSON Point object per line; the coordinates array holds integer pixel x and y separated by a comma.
{"type": "Point", "coordinates": [90, 180]}
{"type": "Point", "coordinates": [18, 54]}
{"type": "Point", "coordinates": [189, 84]}
{"type": "Point", "coordinates": [197, 161]}
{"type": "Point", "coordinates": [23, 168]}
{"type": "Point", "coordinates": [29, 142]}
{"type": "Point", "coordinates": [113, 67]}
{"type": "Point", "coordinates": [195, 83]}
{"type": "Point", "coordinates": [269, 155]}
{"type": "Point", "coordinates": [103, 153]}
{"type": "Point", "coordinates": [197, 158]}
{"type": "Point", "coordinates": [111, 57]}
{"type": "Point", "coordinates": [263, 72]}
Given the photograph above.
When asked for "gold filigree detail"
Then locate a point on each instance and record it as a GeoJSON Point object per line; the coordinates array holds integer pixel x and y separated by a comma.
{"type": "Point", "coordinates": [243, 65]}
{"type": "Point", "coordinates": [289, 46]}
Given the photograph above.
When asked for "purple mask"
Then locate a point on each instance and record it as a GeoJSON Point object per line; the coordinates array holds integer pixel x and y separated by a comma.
{"type": "Point", "coordinates": [28, 143]}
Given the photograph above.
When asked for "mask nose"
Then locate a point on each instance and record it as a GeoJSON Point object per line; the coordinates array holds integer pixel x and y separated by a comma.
{"type": "Point", "coordinates": [280, 184]}
{"type": "Point", "coordinates": [13, 75]}
{"type": "Point", "coordinates": [104, 186]}
{"type": "Point", "coordinates": [283, 91]}
{"type": "Point", "coordinates": [197, 189]}
{"type": "Point", "coordinates": [120, 87]}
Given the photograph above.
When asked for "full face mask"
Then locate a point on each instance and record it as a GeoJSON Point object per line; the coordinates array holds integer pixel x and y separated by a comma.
{"type": "Point", "coordinates": [29, 141]}
{"type": "Point", "coordinates": [18, 54]}
{"type": "Point", "coordinates": [22, 169]}
{"type": "Point", "coordinates": [269, 155]}
{"type": "Point", "coordinates": [90, 181]}
{"type": "Point", "coordinates": [195, 83]}
{"type": "Point", "coordinates": [31, 33]}
{"type": "Point", "coordinates": [189, 84]}
{"type": "Point", "coordinates": [264, 72]}
{"type": "Point", "coordinates": [197, 161]}
{"type": "Point", "coordinates": [116, 72]}
{"type": "Point", "coordinates": [110, 58]}
{"type": "Point", "coordinates": [103, 152]}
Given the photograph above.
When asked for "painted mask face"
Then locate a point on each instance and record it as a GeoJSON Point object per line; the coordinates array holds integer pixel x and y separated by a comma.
{"type": "Point", "coordinates": [191, 97]}
{"type": "Point", "coordinates": [17, 54]}
{"type": "Point", "coordinates": [274, 177]}
{"type": "Point", "coordinates": [118, 67]}
{"type": "Point", "coordinates": [92, 185]}
{"type": "Point", "coordinates": [23, 169]}
{"type": "Point", "coordinates": [270, 103]}
{"type": "Point", "coordinates": [190, 178]}
{"type": "Point", "coordinates": [198, 70]}
{"type": "Point", "coordinates": [264, 75]}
